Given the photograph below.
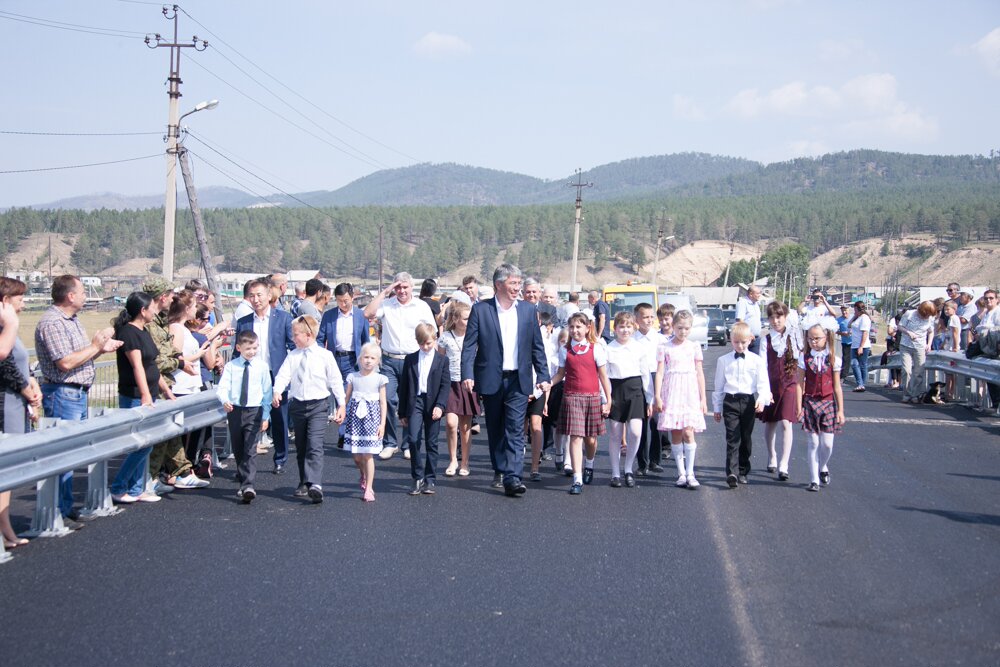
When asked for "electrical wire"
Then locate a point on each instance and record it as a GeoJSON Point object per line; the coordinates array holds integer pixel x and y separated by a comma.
{"type": "Point", "coordinates": [79, 166]}
{"type": "Point", "coordinates": [79, 134]}
{"type": "Point", "coordinates": [47, 23]}
{"type": "Point", "coordinates": [214, 144]}
{"type": "Point", "coordinates": [297, 94]}
{"type": "Point", "coordinates": [289, 121]}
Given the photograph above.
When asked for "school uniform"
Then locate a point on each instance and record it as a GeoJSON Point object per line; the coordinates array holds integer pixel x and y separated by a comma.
{"type": "Point", "coordinates": [246, 385]}
{"type": "Point", "coordinates": [653, 441]}
{"type": "Point", "coordinates": [310, 375]}
{"type": "Point", "coordinates": [424, 385]}
{"type": "Point", "coordinates": [740, 382]}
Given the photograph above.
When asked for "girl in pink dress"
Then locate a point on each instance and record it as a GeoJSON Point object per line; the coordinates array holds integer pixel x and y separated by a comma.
{"type": "Point", "coordinates": [680, 396]}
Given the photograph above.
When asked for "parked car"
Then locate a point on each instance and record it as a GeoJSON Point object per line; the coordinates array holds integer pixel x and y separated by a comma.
{"type": "Point", "coordinates": [717, 331]}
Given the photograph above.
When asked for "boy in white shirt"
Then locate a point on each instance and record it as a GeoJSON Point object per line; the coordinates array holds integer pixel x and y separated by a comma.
{"type": "Point", "coordinates": [741, 389]}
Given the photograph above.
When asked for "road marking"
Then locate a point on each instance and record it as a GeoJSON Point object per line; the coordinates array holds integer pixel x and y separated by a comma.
{"type": "Point", "coordinates": [920, 422]}
{"type": "Point", "coordinates": [737, 592]}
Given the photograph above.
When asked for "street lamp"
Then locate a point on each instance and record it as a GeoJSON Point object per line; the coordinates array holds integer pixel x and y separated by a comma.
{"type": "Point", "coordinates": [170, 203]}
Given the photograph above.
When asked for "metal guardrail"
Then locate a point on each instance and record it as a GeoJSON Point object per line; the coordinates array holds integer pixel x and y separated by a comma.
{"type": "Point", "coordinates": [41, 456]}
{"type": "Point", "coordinates": [979, 372]}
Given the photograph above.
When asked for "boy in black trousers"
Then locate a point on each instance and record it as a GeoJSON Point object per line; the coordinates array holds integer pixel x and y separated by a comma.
{"type": "Point", "coordinates": [741, 389]}
{"type": "Point", "coordinates": [423, 395]}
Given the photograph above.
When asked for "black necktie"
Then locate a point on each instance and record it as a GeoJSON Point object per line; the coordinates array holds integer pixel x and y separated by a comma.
{"type": "Point", "coordinates": [245, 389]}
{"type": "Point", "coordinates": [739, 355]}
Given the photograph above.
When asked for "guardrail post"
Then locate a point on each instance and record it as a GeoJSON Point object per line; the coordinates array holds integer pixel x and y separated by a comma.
{"type": "Point", "coordinates": [99, 502]}
{"type": "Point", "coordinates": [47, 521]}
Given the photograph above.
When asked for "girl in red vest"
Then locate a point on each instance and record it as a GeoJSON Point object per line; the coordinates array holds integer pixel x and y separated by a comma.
{"type": "Point", "coordinates": [582, 415]}
{"type": "Point", "coordinates": [822, 407]}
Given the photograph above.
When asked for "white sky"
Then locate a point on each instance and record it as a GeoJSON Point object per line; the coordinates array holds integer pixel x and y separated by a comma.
{"type": "Point", "coordinates": [533, 87]}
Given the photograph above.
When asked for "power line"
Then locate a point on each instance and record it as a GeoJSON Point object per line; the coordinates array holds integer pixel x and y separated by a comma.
{"type": "Point", "coordinates": [291, 122]}
{"type": "Point", "coordinates": [299, 95]}
{"type": "Point", "coordinates": [80, 166]}
{"type": "Point", "coordinates": [214, 144]}
{"type": "Point", "coordinates": [79, 134]}
{"type": "Point", "coordinates": [47, 23]}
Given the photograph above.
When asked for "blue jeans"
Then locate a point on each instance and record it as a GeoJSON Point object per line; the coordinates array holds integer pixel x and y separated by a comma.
{"type": "Point", "coordinates": [131, 477]}
{"type": "Point", "coordinates": [394, 435]}
{"type": "Point", "coordinates": [859, 365]}
{"type": "Point", "coordinates": [61, 401]}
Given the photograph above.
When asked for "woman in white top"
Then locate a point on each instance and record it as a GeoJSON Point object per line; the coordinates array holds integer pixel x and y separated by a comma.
{"type": "Point", "coordinates": [914, 334]}
{"type": "Point", "coordinates": [861, 344]}
{"type": "Point", "coordinates": [951, 342]}
{"type": "Point", "coordinates": [187, 378]}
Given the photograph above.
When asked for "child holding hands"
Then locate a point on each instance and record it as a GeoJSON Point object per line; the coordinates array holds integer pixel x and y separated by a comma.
{"type": "Point", "coordinates": [366, 412]}
{"type": "Point", "coordinates": [822, 406]}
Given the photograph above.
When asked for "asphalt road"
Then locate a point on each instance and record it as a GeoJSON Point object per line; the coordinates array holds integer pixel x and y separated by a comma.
{"type": "Point", "coordinates": [897, 562]}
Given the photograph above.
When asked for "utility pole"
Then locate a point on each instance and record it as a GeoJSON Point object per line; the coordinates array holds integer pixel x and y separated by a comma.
{"type": "Point", "coordinates": [579, 185]}
{"type": "Point", "coordinates": [199, 231]}
{"type": "Point", "coordinates": [725, 281]}
{"type": "Point", "coordinates": [174, 93]}
{"type": "Point", "coordinates": [381, 230]}
{"type": "Point", "coordinates": [659, 241]}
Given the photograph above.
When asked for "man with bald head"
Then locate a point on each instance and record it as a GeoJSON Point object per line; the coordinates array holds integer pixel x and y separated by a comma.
{"type": "Point", "coordinates": [550, 296]}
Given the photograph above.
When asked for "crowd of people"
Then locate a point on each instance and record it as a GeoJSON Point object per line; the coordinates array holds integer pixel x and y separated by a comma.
{"type": "Point", "coordinates": [543, 377]}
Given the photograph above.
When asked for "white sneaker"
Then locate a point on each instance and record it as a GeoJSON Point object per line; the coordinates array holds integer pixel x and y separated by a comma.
{"type": "Point", "coordinates": [160, 489]}
{"type": "Point", "coordinates": [123, 498]}
{"type": "Point", "coordinates": [692, 483]}
{"type": "Point", "coordinates": [387, 453]}
{"type": "Point", "coordinates": [406, 455]}
{"type": "Point", "coordinates": [148, 497]}
{"type": "Point", "coordinates": [681, 481]}
{"type": "Point", "coordinates": [190, 481]}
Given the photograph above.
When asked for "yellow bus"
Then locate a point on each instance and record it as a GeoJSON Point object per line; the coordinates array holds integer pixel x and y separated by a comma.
{"type": "Point", "coordinates": [628, 296]}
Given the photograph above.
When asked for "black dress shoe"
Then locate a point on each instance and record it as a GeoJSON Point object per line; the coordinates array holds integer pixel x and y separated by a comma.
{"type": "Point", "coordinates": [616, 482]}
{"type": "Point", "coordinates": [315, 493]}
{"type": "Point", "coordinates": [497, 481]}
{"type": "Point", "coordinates": [279, 469]}
{"type": "Point", "coordinates": [783, 476]}
{"type": "Point", "coordinates": [71, 524]}
{"type": "Point", "coordinates": [516, 489]}
{"type": "Point", "coordinates": [418, 487]}
{"type": "Point", "coordinates": [301, 491]}
{"type": "Point", "coordinates": [429, 489]}
{"type": "Point", "coordinates": [629, 480]}
{"type": "Point", "coordinates": [654, 467]}
{"type": "Point", "coordinates": [772, 469]}
{"type": "Point", "coordinates": [588, 475]}
{"type": "Point", "coordinates": [731, 481]}
{"type": "Point", "coordinates": [743, 479]}
{"type": "Point", "coordinates": [824, 477]}
{"type": "Point", "coordinates": [576, 489]}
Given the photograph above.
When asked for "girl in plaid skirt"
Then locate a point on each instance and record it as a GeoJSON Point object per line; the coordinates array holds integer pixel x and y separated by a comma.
{"type": "Point", "coordinates": [822, 408]}
{"type": "Point", "coordinates": [581, 416]}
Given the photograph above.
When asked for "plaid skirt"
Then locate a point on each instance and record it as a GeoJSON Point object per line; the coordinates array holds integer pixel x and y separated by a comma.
{"type": "Point", "coordinates": [819, 416]}
{"type": "Point", "coordinates": [580, 415]}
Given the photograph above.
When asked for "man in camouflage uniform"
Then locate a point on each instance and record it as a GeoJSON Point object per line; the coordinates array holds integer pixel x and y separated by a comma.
{"type": "Point", "coordinates": [169, 454]}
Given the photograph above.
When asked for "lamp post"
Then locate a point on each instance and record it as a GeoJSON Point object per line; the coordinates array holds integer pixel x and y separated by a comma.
{"type": "Point", "coordinates": [170, 203]}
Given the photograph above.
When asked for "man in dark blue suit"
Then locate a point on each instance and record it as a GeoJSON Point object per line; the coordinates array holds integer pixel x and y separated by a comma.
{"type": "Point", "coordinates": [503, 343]}
{"type": "Point", "coordinates": [274, 329]}
{"type": "Point", "coordinates": [343, 330]}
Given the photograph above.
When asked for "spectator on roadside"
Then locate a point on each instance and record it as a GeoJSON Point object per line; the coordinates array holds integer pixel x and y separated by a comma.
{"type": "Point", "coordinates": [211, 363]}
{"type": "Point", "coordinates": [817, 310]}
{"type": "Point", "coordinates": [20, 397]}
{"type": "Point", "coordinates": [966, 309]}
{"type": "Point", "coordinates": [428, 289]}
{"type": "Point", "coordinates": [991, 318]}
{"type": "Point", "coordinates": [748, 310]}
{"type": "Point", "coordinates": [243, 308]}
{"type": "Point", "coordinates": [300, 294]}
{"type": "Point", "coordinates": [861, 344]}
{"type": "Point", "coordinates": [564, 311]}
{"type": "Point", "coordinates": [66, 359]}
{"type": "Point", "coordinates": [914, 333]}
{"type": "Point", "coordinates": [844, 334]}
{"type": "Point", "coordinates": [399, 314]}
{"type": "Point", "coordinates": [550, 296]}
{"type": "Point", "coordinates": [139, 384]}
{"type": "Point", "coordinates": [187, 379]}
{"type": "Point", "coordinates": [168, 456]}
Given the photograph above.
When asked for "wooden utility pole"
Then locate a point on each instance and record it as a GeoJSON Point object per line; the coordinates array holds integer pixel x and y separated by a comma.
{"type": "Point", "coordinates": [199, 231]}
{"type": "Point", "coordinates": [579, 185]}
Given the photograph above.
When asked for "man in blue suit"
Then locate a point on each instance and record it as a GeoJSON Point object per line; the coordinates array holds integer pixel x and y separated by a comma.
{"type": "Point", "coordinates": [503, 343]}
{"type": "Point", "coordinates": [343, 330]}
{"type": "Point", "coordinates": [274, 330]}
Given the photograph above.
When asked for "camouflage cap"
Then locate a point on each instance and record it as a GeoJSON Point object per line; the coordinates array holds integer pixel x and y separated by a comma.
{"type": "Point", "coordinates": [157, 286]}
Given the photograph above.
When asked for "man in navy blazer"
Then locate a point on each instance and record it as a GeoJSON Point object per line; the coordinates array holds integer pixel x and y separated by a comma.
{"type": "Point", "coordinates": [275, 327]}
{"type": "Point", "coordinates": [503, 343]}
{"type": "Point", "coordinates": [346, 356]}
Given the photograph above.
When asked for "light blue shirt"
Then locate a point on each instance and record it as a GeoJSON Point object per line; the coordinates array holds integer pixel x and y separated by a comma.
{"type": "Point", "coordinates": [260, 391]}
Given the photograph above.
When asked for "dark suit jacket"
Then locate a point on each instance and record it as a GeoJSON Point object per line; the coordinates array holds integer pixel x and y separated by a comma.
{"type": "Point", "coordinates": [438, 384]}
{"type": "Point", "coordinates": [279, 336]}
{"type": "Point", "coordinates": [482, 351]}
{"type": "Point", "coordinates": [327, 334]}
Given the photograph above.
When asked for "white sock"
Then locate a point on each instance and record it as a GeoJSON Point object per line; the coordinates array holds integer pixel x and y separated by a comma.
{"type": "Point", "coordinates": [588, 463]}
{"type": "Point", "coordinates": [813, 458]}
{"type": "Point", "coordinates": [825, 451]}
{"type": "Point", "coordinates": [578, 478]}
{"type": "Point", "coordinates": [614, 449]}
{"type": "Point", "coordinates": [678, 452]}
{"type": "Point", "coordinates": [786, 444]}
{"type": "Point", "coordinates": [689, 449]}
{"type": "Point", "coordinates": [770, 431]}
{"type": "Point", "coordinates": [632, 437]}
